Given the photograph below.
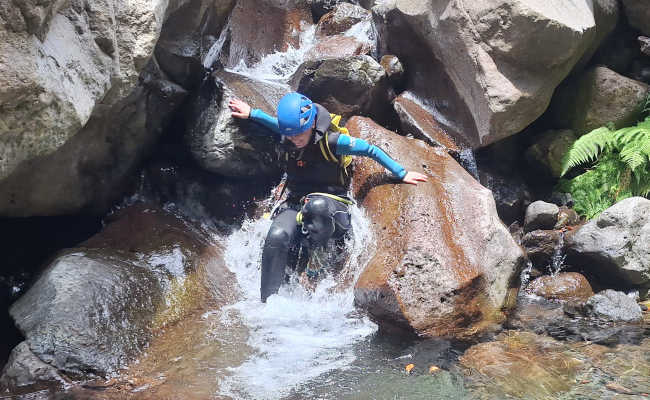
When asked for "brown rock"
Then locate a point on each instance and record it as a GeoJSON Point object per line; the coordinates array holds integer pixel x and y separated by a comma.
{"type": "Point", "coordinates": [457, 256]}
{"type": "Point", "coordinates": [342, 18]}
{"type": "Point", "coordinates": [419, 122]}
{"type": "Point", "coordinates": [522, 365]}
{"type": "Point", "coordinates": [393, 67]}
{"type": "Point", "coordinates": [338, 46]}
{"type": "Point", "coordinates": [268, 29]}
{"type": "Point", "coordinates": [567, 217]}
{"type": "Point", "coordinates": [540, 246]}
{"type": "Point", "coordinates": [570, 286]}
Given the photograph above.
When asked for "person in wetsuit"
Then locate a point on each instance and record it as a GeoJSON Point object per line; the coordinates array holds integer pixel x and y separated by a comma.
{"type": "Point", "coordinates": [317, 184]}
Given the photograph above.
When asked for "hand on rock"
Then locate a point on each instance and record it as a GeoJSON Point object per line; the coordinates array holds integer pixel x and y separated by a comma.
{"type": "Point", "coordinates": [414, 177]}
{"type": "Point", "coordinates": [240, 109]}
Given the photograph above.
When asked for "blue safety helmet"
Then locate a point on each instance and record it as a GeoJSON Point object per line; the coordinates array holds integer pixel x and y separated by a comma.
{"type": "Point", "coordinates": [296, 114]}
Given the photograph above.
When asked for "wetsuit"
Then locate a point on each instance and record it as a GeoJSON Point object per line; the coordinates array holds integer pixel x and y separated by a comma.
{"type": "Point", "coordinates": [307, 172]}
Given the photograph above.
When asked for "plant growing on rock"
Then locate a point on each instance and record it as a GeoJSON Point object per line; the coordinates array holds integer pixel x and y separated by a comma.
{"type": "Point", "coordinates": [621, 166]}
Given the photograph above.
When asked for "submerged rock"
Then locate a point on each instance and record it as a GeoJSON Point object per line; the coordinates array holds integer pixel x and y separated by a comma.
{"type": "Point", "coordinates": [523, 365]}
{"type": "Point", "coordinates": [567, 286]}
{"type": "Point", "coordinates": [615, 245]}
{"type": "Point", "coordinates": [614, 306]}
{"type": "Point", "coordinates": [444, 259]}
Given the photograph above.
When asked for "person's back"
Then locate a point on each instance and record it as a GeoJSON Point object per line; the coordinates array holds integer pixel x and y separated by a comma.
{"type": "Point", "coordinates": [312, 157]}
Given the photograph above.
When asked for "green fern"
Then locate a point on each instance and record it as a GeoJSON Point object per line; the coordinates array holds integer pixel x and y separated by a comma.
{"type": "Point", "coordinates": [622, 167]}
{"type": "Point", "coordinates": [587, 148]}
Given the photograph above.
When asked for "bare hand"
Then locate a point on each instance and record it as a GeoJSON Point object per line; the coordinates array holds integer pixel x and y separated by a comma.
{"type": "Point", "coordinates": [240, 109]}
{"type": "Point", "coordinates": [414, 177]}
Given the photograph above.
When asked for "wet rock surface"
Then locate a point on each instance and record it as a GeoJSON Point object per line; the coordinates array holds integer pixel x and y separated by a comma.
{"type": "Point", "coordinates": [511, 193]}
{"type": "Point", "coordinates": [419, 122]}
{"type": "Point", "coordinates": [96, 306]}
{"type": "Point", "coordinates": [342, 18]}
{"type": "Point", "coordinates": [88, 313]}
{"type": "Point", "coordinates": [541, 246]}
{"type": "Point", "coordinates": [599, 97]}
{"type": "Point", "coordinates": [337, 47]}
{"type": "Point", "coordinates": [227, 146]}
{"type": "Point", "coordinates": [345, 86]}
{"type": "Point", "coordinates": [615, 245]}
{"type": "Point", "coordinates": [566, 286]}
{"type": "Point", "coordinates": [273, 26]}
{"type": "Point", "coordinates": [638, 15]}
{"type": "Point", "coordinates": [451, 286]}
{"type": "Point", "coordinates": [24, 368]}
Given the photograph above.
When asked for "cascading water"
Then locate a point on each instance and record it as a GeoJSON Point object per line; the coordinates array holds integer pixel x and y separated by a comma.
{"type": "Point", "coordinates": [557, 261]}
{"type": "Point", "coordinates": [296, 335]}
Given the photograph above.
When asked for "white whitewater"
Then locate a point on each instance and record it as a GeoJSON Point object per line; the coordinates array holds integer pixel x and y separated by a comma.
{"type": "Point", "coordinates": [296, 335]}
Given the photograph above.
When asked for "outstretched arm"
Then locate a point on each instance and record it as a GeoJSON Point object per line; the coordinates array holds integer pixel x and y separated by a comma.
{"type": "Point", "coordinates": [241, 109]}
{"type": "Point", "coordinates": [355, 146]}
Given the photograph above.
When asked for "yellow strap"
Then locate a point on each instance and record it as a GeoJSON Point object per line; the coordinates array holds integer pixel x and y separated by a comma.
{"type": "Point", "coordinates": [299, 218]}
{"type": "Point", "coordinates": [322, 150]}
{"type": "Point", "coordinates": [333, 196]}
{"type": "Point", "coordinates": [334, 159]}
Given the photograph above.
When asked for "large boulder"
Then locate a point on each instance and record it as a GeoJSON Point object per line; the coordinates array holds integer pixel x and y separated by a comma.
{"type": "Point", "coordinates": [343, 17]}
{"type": "Point", "coordinates": [444, 260]}
{"type": "Point", "coordinates": [86, 56]}
{"type": "Point", "coordinates": [83, 99]}
{"type": "Point", "coordinates": [497, 82]}
{"type": "Point", "coordinates": [615, 245]}
{"type": "Point", "coordinates": [638, 15]}
{"type": "Point", "coordinates": [599, 97]}
{"type": "Point", "coordinates": [96, 306]}
{"type": "Point", "coordinates": [187, 34]}
{"type": "Point", "coordinates": [91, 171]}
{"type": "Point", "coordinates": [345, 86]}
{"type": "Point", "coordinates": [225, 145]}
{"type": "Point", "coordinates": [257, 28]}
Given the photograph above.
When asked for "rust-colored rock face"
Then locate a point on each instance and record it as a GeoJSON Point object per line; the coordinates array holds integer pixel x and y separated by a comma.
{"type": "Point", "coordinates": [444, 259]}
{"type": "Point", "coordinates": [338, 46]}
{"type": "Point", "coordinates": [258, 28]}
{"type": "Point", "coordinates": [419, 122]}
{"type": "Point", "coordinates": [570, 286]}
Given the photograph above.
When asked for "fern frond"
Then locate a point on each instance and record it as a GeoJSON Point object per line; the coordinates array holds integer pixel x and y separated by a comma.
{"type": "Point", "coordinates": [587, 148]}
{"type": "Point", "coordinates": [633, 144]}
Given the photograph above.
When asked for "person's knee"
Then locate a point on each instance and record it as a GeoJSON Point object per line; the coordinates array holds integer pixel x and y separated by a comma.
{"type": "Point", "coordinates": [278, 236]}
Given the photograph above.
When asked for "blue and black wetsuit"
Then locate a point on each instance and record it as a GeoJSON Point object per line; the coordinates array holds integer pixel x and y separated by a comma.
{"type": "Point", "coordinates": [308, 171]}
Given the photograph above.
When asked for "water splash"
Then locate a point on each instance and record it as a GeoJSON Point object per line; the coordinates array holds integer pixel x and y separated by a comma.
{"type": "Point", "coordinates": [557, 260]}
{"type": "Point", "coordinates": [297, 335]}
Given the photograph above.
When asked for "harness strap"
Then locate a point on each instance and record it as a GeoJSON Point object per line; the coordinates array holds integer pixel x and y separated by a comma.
{"type": "Point", "coordinates": [331, 196]}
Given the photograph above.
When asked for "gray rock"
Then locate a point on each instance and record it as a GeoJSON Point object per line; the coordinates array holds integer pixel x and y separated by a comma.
{"type": "Point", "coordinates": [638, 15]}
{"type": "Point", "coordinates": [614, 306]}
{"type": "Point", "coordinates": [23, 368]}
{"type": "Point", "coordinates": [342, 18]}
{"type": "Point", "coordinates": [615, 245]}
{"type": "Point", "coordinates": [540, 215]}
{"type": "Point", "coordinates": [547, 151]}
{"type": "Point", "coordinates": [598, 97]}
{"type": "Point", "coordinates": [225, 145]}
{"type": "Point", "coordinates": [644, 42]}
{"type": "Point", "coordinates": [91, 170]}
{"type": "Point", "coordinates": [345, 86]}
{"type": "Point", "coordinates": [483, 48]}
{"type": "Point", "coordinates": [88, 313]}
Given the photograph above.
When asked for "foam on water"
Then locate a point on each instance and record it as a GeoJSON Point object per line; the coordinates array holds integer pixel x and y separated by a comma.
{"type": "Point", "coordinates": [297, 335]}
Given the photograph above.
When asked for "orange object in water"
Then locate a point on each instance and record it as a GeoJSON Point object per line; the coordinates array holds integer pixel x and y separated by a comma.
{"type": "Point", "coordinates": [409, 367]}
{"type": "Point", "coordinates": [433, 369]}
